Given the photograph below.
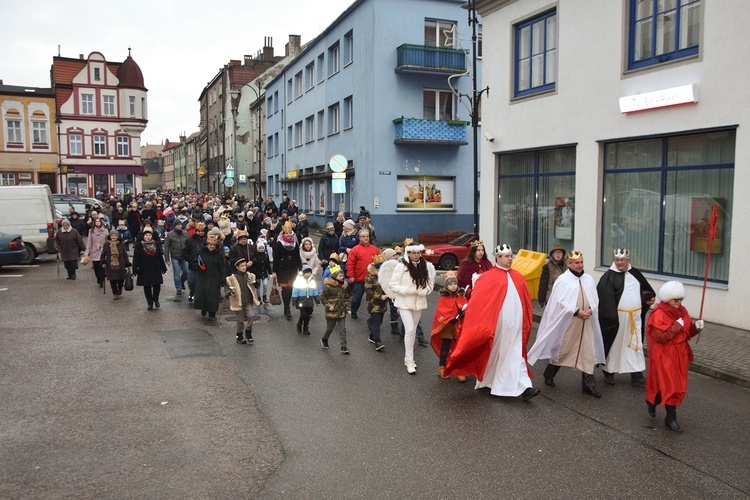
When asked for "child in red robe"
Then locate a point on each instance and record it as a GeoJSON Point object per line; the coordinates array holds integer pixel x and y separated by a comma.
{"type": "Point", "coordinates": [446, 325]}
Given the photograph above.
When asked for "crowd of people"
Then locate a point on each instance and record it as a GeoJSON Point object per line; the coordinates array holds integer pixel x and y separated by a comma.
{"type": "Point", "coordinates": [251, 252]}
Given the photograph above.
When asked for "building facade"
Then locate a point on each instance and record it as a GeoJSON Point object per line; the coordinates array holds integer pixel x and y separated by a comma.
{"type": "Point", "coordinates": [28, 142]}
{"type": "Point", "coordinates": [381, 88]}
{"type": "Point", "coordinates": [627, 142]}
{"type": "Point", "coordinates": [103, 110]}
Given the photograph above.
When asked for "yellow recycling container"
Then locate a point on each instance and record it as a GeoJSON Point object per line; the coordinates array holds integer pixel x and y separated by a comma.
{"type": "Point", "coordinates": [530, 265]}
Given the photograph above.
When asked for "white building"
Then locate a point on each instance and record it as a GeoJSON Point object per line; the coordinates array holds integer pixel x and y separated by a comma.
{"type": "Point", "coordinates": [616, 125]}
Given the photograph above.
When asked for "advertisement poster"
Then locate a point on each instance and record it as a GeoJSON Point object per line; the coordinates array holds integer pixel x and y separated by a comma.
{"type": "Point", "coordinates": [564, 217]}
{"type": "Point", "coordinates": [322, 203]}
{"type": "Point", "coordinates": [700, 214]}
{"type": "Point", "coordinates": [419, 192]}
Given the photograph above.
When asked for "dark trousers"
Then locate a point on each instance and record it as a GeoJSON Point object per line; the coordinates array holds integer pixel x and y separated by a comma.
{"type": "Point", "coordinates": [152, 293]}
{"type": "Point", "coordinates": [444, 350]}
{"type": "Point", "coordinates": [376, 319]}
{"type": "Point", "coordinates": [587, 379]}
{"type": "Point", "coordinates": [71, 266]}
{"type": "Point", "coordinates": [331, 324]}
{"type": "Point", "coordinates": [357, 292]}
{"type": "Point", "coordinates": [98, 271]}
{"type": "Point", "coordinates": [116, 286]}
{"type": "Point", "coordinates": [393, 310]}
{"type": "Point", "coordinates": [305, 313]}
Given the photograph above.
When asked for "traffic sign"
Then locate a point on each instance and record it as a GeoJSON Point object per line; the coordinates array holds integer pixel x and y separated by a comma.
{"type": "Point", "coordinates": [338, 163]}
{"type": "Point", "coordinates": [338, 186]}
{"type": "Point", "coordinates": [229, 171]}
{"type": "Point", "coordinates": [229, 182]}
{"type": "Point", "coordinates": [338, 175]}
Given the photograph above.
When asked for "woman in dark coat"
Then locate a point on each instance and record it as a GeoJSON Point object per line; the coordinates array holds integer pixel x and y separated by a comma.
{"type": "Point", "coordinates": [149, 266]}
{"type": "Point", "coordinates": [70, 244]}
{"type": "Point", "coordinates": [286, 264]}
{"type": "Point", "coordinates": [211, 275]}
{"type": "Point", "coordinates": [115, 262]}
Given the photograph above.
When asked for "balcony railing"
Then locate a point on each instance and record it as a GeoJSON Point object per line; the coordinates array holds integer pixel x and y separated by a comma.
{"type": "Point", "coordinates": [418, 131]}
{"type": "Point", "coordinates": [426, 59]}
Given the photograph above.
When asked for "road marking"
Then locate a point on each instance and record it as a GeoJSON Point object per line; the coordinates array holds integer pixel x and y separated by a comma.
{"type": "Point", "coordinates": [3, 289]}
{"type": "Point", "coordinates": [11, 275]}
{"type": "Point", "coordinates": [18, 266]}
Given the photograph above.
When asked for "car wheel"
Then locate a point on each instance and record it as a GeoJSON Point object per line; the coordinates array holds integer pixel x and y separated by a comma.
{"type": "Point", "coordinates": [30, 254]}
{"type": "Point", "coordinates": [448, 262]}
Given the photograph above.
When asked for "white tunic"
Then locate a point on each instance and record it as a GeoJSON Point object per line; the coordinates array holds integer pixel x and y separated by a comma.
{"type": "Point", "coordinates": [506, 371]}
{"type": "Point", "coordinates": [626, 353]}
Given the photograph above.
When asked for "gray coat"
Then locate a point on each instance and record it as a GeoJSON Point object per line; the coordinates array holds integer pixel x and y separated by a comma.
{"type": "Point", "coordinates": [174, 244]}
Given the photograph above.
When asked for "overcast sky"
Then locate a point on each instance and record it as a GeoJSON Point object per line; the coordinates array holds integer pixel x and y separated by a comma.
{"type": "Point", "coordinates": [178, 44]}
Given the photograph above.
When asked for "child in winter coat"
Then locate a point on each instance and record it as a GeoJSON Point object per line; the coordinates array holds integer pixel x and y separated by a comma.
{"type": "Point", "coordinates": [309, 255]}
{"type": "Point", "coordinates": [333, 261]}
{"type": "Point", "coordinates": [335, 298]}
{"type": "Point", "coordinates": [304, 297]}
{"type": "Point", "coordinates": [446, 325]}
{"type": "Point", "coordinates": [262, 268]}
{"type": "Point", "coordinates": [242, 298]}
{"type": "Point", "coordinates": [125, 235]}
{"type": "Point", "coordinates": [377, 300]}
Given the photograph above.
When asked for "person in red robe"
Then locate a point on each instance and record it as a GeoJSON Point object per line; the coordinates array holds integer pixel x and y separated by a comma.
{"type": "Point", "coordinates": [497, 325]}
{"type": "Point", "coordinates": [669, 354]}
{"type": "Point", "coordinates": [448, 319]}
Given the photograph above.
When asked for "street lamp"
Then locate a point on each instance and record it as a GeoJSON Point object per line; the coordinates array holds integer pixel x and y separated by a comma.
{"type": "Point", "coordinates": [257, 145]}
{"type": "Point", "coordinates": [58, 122]}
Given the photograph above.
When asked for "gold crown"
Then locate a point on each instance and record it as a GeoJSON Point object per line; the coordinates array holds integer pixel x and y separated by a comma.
{"type": "Point", "coordinates": [408, 241]}
{"type": "Point", "coordinates": [574, 254]}
{"type": "Point", "coordinates": [477, 243]}
{"type": "Point", "coordinates": [378, 259]}
{"type": "Point", "coordinates": [287, 227]}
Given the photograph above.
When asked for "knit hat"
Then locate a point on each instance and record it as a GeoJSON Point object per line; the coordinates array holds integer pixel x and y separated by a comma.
{"type": "Point", "coordinates": [306, 269]}
{"type": "Point", "coordinates": [349, 224]}
{"type": "Point", "coordinates": [450, 277]}
{"type": "Point", "coordinates": [335, 271]}
{"type": "Point", "coordinates": [389, 253]}
{"type": "Point", "coordinates": [671, 290]}
{"type": "Point", "coordinates": [114, 232]}
{"type": "Point", "coordinates": [64, 222]}
{"type": "Point", "coordinates": [177, 222]}
{"type": "Point", "coordinates": [261, 246]}
{"type": "Point", "coordinates": [214, 232]}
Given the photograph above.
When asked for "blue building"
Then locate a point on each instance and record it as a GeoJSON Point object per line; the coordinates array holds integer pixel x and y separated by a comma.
{"type": "Point", "coordinates": [376, 88]}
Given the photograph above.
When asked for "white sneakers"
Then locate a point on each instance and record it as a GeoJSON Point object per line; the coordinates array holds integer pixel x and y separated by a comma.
{"type": "Point", "coordinates": [411, 367]}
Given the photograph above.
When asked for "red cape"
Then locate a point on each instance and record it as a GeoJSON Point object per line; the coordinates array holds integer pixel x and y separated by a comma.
{"type": "Point", "coordinates": [474, 345]}
{"type": "Point", "coordinates": [447, 309]}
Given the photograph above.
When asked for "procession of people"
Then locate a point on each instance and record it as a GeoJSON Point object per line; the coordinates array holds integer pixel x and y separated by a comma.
{"type": "Point", "coordinates": [246, 253]}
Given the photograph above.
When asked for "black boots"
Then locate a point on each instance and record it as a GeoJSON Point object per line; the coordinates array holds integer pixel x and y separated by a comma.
{"type": "Point", "coordinates": [240, 339]}
{"type": "Point", "coordinates": [249, 334]}
{"type": "Point", "coordinates": [299, 326]}
{"type": "Point", "coordinates": [394, 328]}
{"type": "Point", "coordinates": [671, 419]}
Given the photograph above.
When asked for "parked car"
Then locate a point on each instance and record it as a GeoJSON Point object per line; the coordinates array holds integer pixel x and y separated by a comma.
{"type": "Point", "coordinates": [30, 212]}
{"type": "Point", "coordinates": [448, 255]}
{"type": "Point", "coordinates": [63, 201]}
{"type": "Point", "coordinates": [12, 249]}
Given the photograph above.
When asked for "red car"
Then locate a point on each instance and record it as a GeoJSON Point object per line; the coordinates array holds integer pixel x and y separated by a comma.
{"type": "Point", "coordinates": [448, 255]}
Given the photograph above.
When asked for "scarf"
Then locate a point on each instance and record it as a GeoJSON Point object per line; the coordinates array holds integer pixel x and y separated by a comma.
{"type": "Point", "coordinates": [674, 313]}
{"type": "Point", "coordinates": [149, 248]}
{"type": "Point", "coordinates": [288, 240]}
{"type": "Point", "coordinates": [114, 256]}
{"type": "Point", "coordinates": [308, 256]}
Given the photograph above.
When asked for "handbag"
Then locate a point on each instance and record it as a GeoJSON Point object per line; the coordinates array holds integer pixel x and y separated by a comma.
{"type": "Point", "coordinates": [275, 297]}
{"type": "Point", "coordinates": [304, 302]}
{"type": "Point", "coordinates": [128, 282]}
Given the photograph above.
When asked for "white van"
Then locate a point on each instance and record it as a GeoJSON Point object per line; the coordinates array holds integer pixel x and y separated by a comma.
{"type": "Point", "coordinates": [29, 211]}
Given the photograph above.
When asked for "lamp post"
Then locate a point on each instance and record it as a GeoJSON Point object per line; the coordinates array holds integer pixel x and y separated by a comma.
{"type": "Point", "coordinates": [58, 122]}
{"type": "Point", "coordinates": [257, 145]}
{"type": "Point", "coordinates": [475, 100]}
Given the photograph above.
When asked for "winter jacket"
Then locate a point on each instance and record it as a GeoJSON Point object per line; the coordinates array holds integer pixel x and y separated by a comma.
{"type": "Point", "coordinates": [122, 259]}
{"type": "Point", "coordinates": [148, 268]}
{"type": "Point", "coordinates": [208, 282]}
{"type": "Point", "coordinates": [337, 295]}
{"type": "Point", "coordinates": [310, 258]}
{"type": "Point", "coordinates": [95, 244]}
{"type": "Point", "coordinates": [174, 245]}
{"type": "Point", "coordinates": [69, 244]}
{"type": "Point", "coordinates": [286, 263]}
{"type": "Point", "coordinates": [261, 266]}
{"type": "Point", "coordinates": [328, 244]}
{"type": "Point", "coordinates": [192, 245]}
{"type": "Point", "coordinates": [246, 252]}
{"type": "Point", "coordinates": [305, 287]}
{"type": "Point", "coordinates": [374, 292]}
{"type": "Point", "coordinates": [406, 295]}
{"type": "Point", "coordinates": [359, 258]}
{"type": "Point", "coordinates": [239, 294]}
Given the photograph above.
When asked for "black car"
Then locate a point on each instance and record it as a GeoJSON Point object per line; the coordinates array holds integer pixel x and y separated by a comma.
{"type": "Point", "coordinates": [12, 249]}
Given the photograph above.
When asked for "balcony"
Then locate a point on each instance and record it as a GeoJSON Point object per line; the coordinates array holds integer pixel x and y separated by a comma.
{"type": "Point", "coordinates": [438, 132]}
{"type": "Point", "coordinates": [433, 60]}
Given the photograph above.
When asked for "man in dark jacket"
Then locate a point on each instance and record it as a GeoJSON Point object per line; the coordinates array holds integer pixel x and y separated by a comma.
{"type": "Point", "coordinates": [328, 244]}
{"type": "Point", "coordinates": [174, 254]}
{"type": "Point", "coordinates": [554, 267]}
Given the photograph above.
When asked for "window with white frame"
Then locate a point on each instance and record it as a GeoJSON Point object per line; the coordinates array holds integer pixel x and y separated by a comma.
{"type": "Point", "coordinates": [535, 54]}
{"type": "Point", "coordinates": [348, 113]}
{"type": "Point", "coordinates": [333, 119]}
{"type": "Point", "coordinates": [298, 134]}
{"type": "Point", "coordinates": [333, 59]}
{"type": "Point", "coordinates": [100, 145]}
{"type": "Point", "coordinates": [310, 128]}
{"type": "Point", "coordinates": [298, 89]}
{"type": "Point", "coordinates": [321, 68]}
{"type": "Point", "coordinates": [15, 133]}
{"type": "Point", "coordinates": [437, 104]}
{"type": "Point", "coordinates": [97, 74]}
{"type": "Point", "coordinates": [269, 104]}
{"type": "Point", "coordinates": [290, 137]}
{"type": "Point", "coordinates": [658, 197]}
{"type": "Point", "coordinates": [75, 144]}
{"type": "Point", "coordinates": [123, 145]}
{"type": "Point", "coordinates": [439, 33]}
{"type": "Point", "coordinates": [289, 91]}
{"type": "Point", "coordinates": [269, 146]}
{"type": "Point", "coordinates": [309, 76]}
{"type": "Point", "coordinates": [7, 180]}
{"type": "Point", "coordinates": [276, 144]}
{"type": "Point", "coordinates": [348, 48]}
{"type": "Point", "coordinates": [663, 31]}
{"type": "Point", "coordinates": [131, 101]}
{"type": "Point", "coordinates": [321, 124]}
{"type": "Point", "coordinates": [87, 104]}
{"type": "Point", "coordinates": [39, 130]}
{"type": "Point", "coordinates": [276, 102]}
{"type": "Point", "coordinates": [108, 105]}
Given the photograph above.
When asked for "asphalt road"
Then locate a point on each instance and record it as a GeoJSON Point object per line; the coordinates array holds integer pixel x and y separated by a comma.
{"type": "Point", "coordinates": [103, 399]}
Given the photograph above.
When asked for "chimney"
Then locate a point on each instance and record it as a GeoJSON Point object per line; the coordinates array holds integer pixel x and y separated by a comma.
{"type": "Point", "coordinates": [80, 56]}
{"type": "Point", "coordinates": [293, 47]}
{"type": "Point", "coordinates": [235, 62]}
{"type": "Point", "coordinates": [1, 82]}
{"type": "Point", "coordinates": [248, 60]}
{"type": "Point", "coordinates": [267, 48]}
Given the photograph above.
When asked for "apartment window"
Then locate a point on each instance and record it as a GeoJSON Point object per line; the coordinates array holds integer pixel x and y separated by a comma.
{"type": "Point", "coordinates": [100, 145]}
{"type": "Point", "coordinates": [321, 124]}
{"type": "Point", "coordinates": [333, 119]}
{"type": "Point", "coordinates": [276, 102]}
{"type": "Point", "coordinates": [269, 146]}
{"type": "Point", "coordinates": [348, 48]}
{"type": "Point", "coordinates": [123, 145]}
{"type": "Point", "coordinates": [289, 137]}
{"type": "Point", "coordinates": [7, 179]}
{"type": "Point", "coordinates": [439, 33]}
{"type": "Point", "coordinates": [298, 85]}
{"type": "Point", "coordinates": [333, 59]}
{"type": "Point", "coordinates": [298, 134]}
{"type": "Point", "coordinates": [14, 131]}
{"type": "Point", "coordinates": [39, 129]}
{"type": "Point", "coordinates": [348, 113]}
{"type": "Point", "coordinates": [87, 104]}
{"type": "Point", "coordinates": [321, 70]}
{"type": "Point", "coordinates": [131, 100]}
{"type": "Point", "coordinates": [658, 197]}
{"type": "Point", "coordinates": [276, 144]}
{"type": "Point", "coordinates": [537, 190]}
{"type": "Point", "coordinates": [535, 59]}
{"type": "Point", "coordinates": [310, 128]}
{"type": "Point", "coordinates": [97, 74]}
{"type": "Point", "coordinates": [310, 76]}
{"type": "Point", "coordinates": [108, 104]}
{"type": "Point", "coordinates": [143, 107]}
{"type": "Point", "coordinates": [663, 31]}
{"type": "Point", "coordinates": [75, 144]}
{"type": "Point", "coordinates": [290, 90]}
{"type": "Point", "coordinates": [437, 105]}
{"type": "Point", "coordinates": [269, 104]}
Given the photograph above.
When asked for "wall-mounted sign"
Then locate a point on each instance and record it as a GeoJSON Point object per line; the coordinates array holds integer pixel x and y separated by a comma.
{"type": "Point", "coordinates": [292, 174]}
{"type": "Point", "coordinates": [420, 192]}
{"type": "Point", "coordinates": [338, 175]}
{"type": "Point", "coordinates": [338, 163]}
{"type": "Point", "coordinates": [338, 186]}
{"type": "Point", "coordinates": [229, 182]}
{"type": "Point", "coordinates": [385, 172]}
{"type": "Point", "coordinates": [243, 179]}
{"type": "Point", "coordinates": [685, 94]}
{"type": "Point", "coordinates": [202, 171]}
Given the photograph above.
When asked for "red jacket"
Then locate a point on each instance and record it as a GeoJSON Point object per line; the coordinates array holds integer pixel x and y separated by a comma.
{"type": "Point", "coordinates": [359, 258]}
